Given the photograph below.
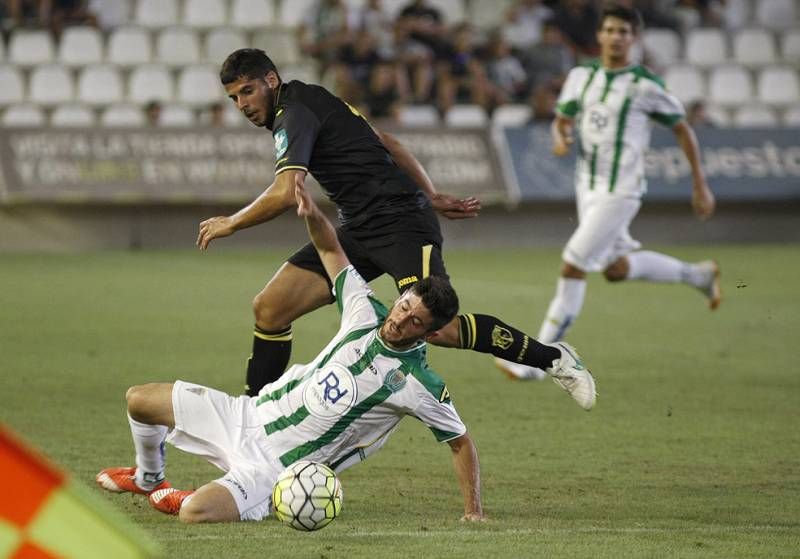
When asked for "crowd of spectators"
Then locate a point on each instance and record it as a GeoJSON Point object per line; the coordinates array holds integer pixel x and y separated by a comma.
{"type": "Point", "coordinates": [379, 63]}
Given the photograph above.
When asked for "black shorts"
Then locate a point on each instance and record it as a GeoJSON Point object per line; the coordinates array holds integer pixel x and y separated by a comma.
{"type": "Point", "coordinates": [408, 248]}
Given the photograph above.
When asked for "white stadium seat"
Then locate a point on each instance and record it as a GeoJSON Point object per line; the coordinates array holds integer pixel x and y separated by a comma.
{"type": "Point", "coordinates": [419, 116]}
{"type": "Point", "coordinates": [790, 46]}
{"type": "Point", "coordinates": [776, 14]}
{"type": "Point", "coordinates": [292, 14]}
{"type": "Point", "coordinates": [122, 116]}
{"type": "Point", "coordinates": [129, 46]}
{"type": "Point", "coordinates": [778, 85]}
{"type": "Point", "coordinates": [177, 116]}
{"type": "Point", "coordinates": [178, 46]}
{"type": "Point", "coordinates": [719, 116]}
{"type": "Point", "coordinates": [73, 116]}
{"type": "Point", "coordinates": [730, 85]}
{"type": "Point", "coordinates": [758, 116]}
{"type": "Point", "coordinates": [80, 46]}
{"type": "Point", "coordinates": [303, 72]}
{"type": "Point", "coordinates": [23, 115]}
{"type": "Point", "coordinates": [232, 116]}
{"type": "Point", "coordinates": [156, 13]}
{"type": "Point", "coordinates": [664, 45]}
{"type": "Point", "coordinates": [736, 13]}
{"type": "Point", "coordinates": [199, 85]}
{"type": "Point", "coordinates": [111, 13]}
{"type": "Point", "coordinates": [452, 11]}
{"type": "Point", "coordinates": [487, 15]}
{"type": "Point", "coordinates": [280, 46]}
{"type": "Point", "coordinates": [791, 118]}
{"type": "Point", "coordinates": [466, 116]}
{"type": "Point", "coordinates": [151, 82]}
{"type": "Point", "coordinates": [221, 42]}
{"type": "Point", "coordinates": [512, 115]}
{"type": "Point", "coordinates": [205, 14]}
{"type": "Point", "coordinates": [754, 47]}
{"type": "Point", "coordinates": [13, 90]}
{"type": "Point", "coordinates": [706, 47]}
{"type": "Point", "coordinates": [51, 84]}
{"type": "Point", "coordinates": [687, 83]}
{"type": "Point", "coordinates": [251, 14]}
{"type": "Point", "coordinates": [31, 48]}
{"type": "Point", "coordinates": [100, 85]}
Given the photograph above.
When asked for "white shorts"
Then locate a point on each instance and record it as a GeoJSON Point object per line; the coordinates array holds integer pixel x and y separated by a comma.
{"type": "Point", "coordinates": [602, 235]}
{"type": "Point", "coordinates": [226, 431]}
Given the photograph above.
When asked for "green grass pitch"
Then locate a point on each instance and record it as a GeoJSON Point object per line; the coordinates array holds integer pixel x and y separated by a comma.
{"type": "Point", "coordinates": [693, 449]}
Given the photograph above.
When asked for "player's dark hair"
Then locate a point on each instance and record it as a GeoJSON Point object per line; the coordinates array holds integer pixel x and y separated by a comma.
{"type": "Point", "coordinates": [246, 63]}
{"type": "Point", "coordinates": [624, 13]}
{"type": "Point", "coordinates": [439, 298]}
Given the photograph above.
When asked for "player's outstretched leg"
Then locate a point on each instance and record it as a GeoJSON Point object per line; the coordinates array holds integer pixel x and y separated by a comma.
{"type": "Point", "coordinates": [169, 500]}
{"type": "Point", "coordinates": [656, 267]}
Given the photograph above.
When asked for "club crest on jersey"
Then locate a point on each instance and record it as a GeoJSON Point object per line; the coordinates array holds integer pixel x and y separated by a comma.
{"type": "Point", "coordinates": [281, 143]}
{"type": "Point", "coordinates": [330, 392]}
{"type": "Point", "coordinates": [395, 380]}
{"type": "Point", "coordinates": [596, 123]}
{"type": "Point", "coordinates": [501, 337]}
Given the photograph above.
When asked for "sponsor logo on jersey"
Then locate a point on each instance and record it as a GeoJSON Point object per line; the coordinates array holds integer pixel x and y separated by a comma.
{"type": "Point", "coordinates": [237, 485]}
{"type": "Point", "coordinates": [281, 143]}
{"type": "Point", "coordinates": [330, 392]}
{"type": "Point", "coordinates": [501, 337]}
{"type": "Point", "coordinates": [596, 123]}
{"type": "Point", "coordinates": [395, 380]}
{"type": "Point", "coordinates": [407, 281]}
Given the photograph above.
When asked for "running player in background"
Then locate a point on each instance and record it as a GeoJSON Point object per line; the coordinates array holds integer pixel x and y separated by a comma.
{"type": "Point", "coordinates": [387, 209]}
{"type": "Point", "coordinates": [337, 410]}
{"type": "Point", "coordinates": [612, 103]}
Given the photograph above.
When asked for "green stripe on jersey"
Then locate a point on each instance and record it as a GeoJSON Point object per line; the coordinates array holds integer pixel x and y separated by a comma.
{"type": "Point", "coordinates": [593, 167]}
{"type": "Point", "coordinates": [618, 143]}
{"type": "Point", "coordinates": [570, 108]}
{"type": "Point", "coordinates": [666, 119]}
{"type": "Point", "coordinates": [442, 436]}
{"type": "Point", "coordinates": [338, 287]}
{"type": "Point", "coordinates": [283, 422]}
{"type": "Point", "coordinates": [300, 452]}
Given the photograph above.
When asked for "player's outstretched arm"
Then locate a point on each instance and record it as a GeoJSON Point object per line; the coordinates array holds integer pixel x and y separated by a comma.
{"type": "Point", "coordinates": [468, 471]}
{"type": "Point", "coordinates": [322, 233]}
{"type": "Point", "coordinates": [275, 200]}
{"type": "Point", "coordinates": [703, 201]}
{"type": "Point", "coordinates": [449, 206]}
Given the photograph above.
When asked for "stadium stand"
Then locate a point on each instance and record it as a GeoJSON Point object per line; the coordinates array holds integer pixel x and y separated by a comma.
{"type": "Point", "coordinates": [168, 51]}
{"type": "Point", "coordinates": [24, 115]}
{"type": "Point", "coordinates": [177, 116]}
{"type": "Point", "coordinates": [755, 116]}
{"type": "Point", "coordinates": [123, 115]}
{"type": "Point", "coordinates": [466, 116]}
{"type": "Point", "coordinates": [512, 115]}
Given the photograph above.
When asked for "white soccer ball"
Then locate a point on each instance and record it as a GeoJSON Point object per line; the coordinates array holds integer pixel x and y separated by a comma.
{"type": "Point", "coordinates": [307, 496]}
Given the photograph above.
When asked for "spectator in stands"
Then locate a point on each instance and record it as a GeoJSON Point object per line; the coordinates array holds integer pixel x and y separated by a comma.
{"type": "Point", "coordinates": [64, 13]}
{"type": "Point", "coordinates": [216, 115]}
{"type": "Point", "coordinates": [111, 13]}
{"type": "Point", "coordinates": [524, 20]}
{"type": "Point", "coordinates": [550, 60]}
{"type": "Point", "coordinates": [26, 12]}
{"type": "Point", "coordinates": [697, 115]}
{"type": "Point", "coordinates": [420, 39]}
{"type": "Point", "coordinates": [326, 29]}
{"type": "Point", "coordinates": [506, 73]}
{"type": "Point", "coordinates": [577, 20]}
{"type": "Point", "coordinates": [152, 113]}
{"type": "Point", "coordinates": [374, 19]}
{"type": "Point", "coordinates": [359, 58]}
{"type": "Point", "coordinates": [461, 77]}
{"type": "Point", "coordinates": [382, 101]}
{"type": "Point", "coordinates": [655, 13]}
{"type": "Point", "coordinates": [543, 101]}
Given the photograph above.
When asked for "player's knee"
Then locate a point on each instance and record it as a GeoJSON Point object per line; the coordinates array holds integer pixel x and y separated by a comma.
{"type": "Point", "coordinates": [192, 513]}
{"type": "Point", "coordinates": [266, 313]}
{"type": "Point", "coordinates": [618, 271]}
{"type": "Point", "coordinates": [136, 396]}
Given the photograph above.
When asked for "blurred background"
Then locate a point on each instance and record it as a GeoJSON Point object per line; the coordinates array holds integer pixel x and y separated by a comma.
{"type": "Point", "coordinates": [115, 132]}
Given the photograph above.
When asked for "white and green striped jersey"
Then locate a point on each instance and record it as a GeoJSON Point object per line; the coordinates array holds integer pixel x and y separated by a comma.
{"type": "Point", "coordinates": [613, 111]}
{"type": "Point", "coordinates": [343, 405]}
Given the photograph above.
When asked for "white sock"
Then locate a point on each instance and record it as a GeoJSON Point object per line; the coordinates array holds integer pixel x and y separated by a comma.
{"type": "Point", "coordinates": [148, 440]}
{"type": "Point", "coordinates": [564, 309]}
{"type": "Point", "coordinates": [656, 267]}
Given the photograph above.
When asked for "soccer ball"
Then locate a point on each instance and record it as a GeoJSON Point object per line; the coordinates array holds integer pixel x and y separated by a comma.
{"type": "Point", "coordinates": [307, 496]}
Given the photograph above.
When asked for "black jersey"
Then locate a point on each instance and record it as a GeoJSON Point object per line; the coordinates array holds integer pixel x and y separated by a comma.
{"type": "Point", "coordinates": [315, 131]}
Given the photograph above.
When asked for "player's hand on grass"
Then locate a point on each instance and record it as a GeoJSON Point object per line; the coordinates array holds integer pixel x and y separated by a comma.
{"type": "Point", "coordinates": [703, 201]}
{"type": "Point", "coordinates": [456, 208]}
{"type": "Point", "coordinates": [214, 228]}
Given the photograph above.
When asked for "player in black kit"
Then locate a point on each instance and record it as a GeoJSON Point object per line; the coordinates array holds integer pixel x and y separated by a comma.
{"type": "Point", "coordinates": [386, 204]}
